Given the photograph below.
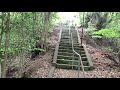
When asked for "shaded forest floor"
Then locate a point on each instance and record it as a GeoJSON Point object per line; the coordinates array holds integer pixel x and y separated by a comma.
{"type": "Point", "coordinates": [39, 68]}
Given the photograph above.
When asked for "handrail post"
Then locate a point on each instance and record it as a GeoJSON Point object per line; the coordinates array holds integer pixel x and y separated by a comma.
{"type": "Point", "coordinates": [69, 33]}
{"type": "Point", "coordinates": [82, 30]}
{"type": "Point", "coordinates": [69, 29]}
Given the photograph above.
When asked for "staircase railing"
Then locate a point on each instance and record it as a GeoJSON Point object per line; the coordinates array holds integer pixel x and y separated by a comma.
{"type": "Point", "coordinates": [80, 59]}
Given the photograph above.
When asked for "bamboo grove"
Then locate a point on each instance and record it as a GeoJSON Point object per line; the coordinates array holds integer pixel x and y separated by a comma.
{"type": "Point", "coordinates": [20, 32]}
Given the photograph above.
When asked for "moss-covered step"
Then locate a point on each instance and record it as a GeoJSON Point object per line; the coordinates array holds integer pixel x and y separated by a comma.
{"type": "Point", "coordinates": [76, 48]}
{"type": "Point", "coordinates": [71, 57]}
{"type": "Point", "coordinates": [71, 51]}
{"type": "Point", "coordinates": [69, 44]}
{"type": "Point", "coordinates": [71, 62]}
{"type": "Point", "coordinates": [74, 40]}
{"type": "Point", "coordinates": [75, 67]}
{"type": "Point", "coordinates": [70, 54]}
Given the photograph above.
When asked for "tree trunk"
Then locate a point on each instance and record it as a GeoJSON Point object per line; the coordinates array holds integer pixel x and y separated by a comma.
{"type": "Point", "coordinates": [47, 16]}
{"type": "Point", "coordinates": [23, 47]}
{"type": "Point", "coordinates": [1, 34]}
{"type": "Point", "coordinates": [4, 63]}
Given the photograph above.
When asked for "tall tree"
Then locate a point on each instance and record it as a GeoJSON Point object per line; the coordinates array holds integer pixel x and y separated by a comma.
{"type": "Point", "coordinates": [99, 19]}
{"type": "Point", "coordinates": [7, 35]}
{"type": "Point", "coordinates": [46, 23]}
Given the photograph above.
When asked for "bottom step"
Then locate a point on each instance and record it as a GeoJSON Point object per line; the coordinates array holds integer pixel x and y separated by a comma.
{"type": "Point", "coordinates": [75, 67]}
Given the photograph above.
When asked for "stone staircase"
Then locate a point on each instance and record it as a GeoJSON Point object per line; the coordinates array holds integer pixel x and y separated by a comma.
{"type": "Point", "coordinates": [64, 56]}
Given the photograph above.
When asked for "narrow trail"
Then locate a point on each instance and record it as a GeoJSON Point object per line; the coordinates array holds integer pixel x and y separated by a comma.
{"type": "Point", "coordinates": [104, 67]}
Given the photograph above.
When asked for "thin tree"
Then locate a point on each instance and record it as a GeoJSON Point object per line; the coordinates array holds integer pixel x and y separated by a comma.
{"type": "Point", "coordinates": [1, 35]}
{"type": "Point", "coordinates": [47, 17]}
{"type": "Point", "coordinates": [22, 59]}
{"type": "Point", "coordinates": [7, 34]}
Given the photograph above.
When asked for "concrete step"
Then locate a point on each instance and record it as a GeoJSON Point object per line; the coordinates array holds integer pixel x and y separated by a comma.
{"type": "Point", "coordinates": [71, 51]}
{"type": "Point", "coordinates": [67, 66]}
{"type": "Point", "coordinates": [69, 38]}
{"type": "Point", "coordinates": [71, 62]}
{"type": "Point", "coordinates": [66, 40]}
{"type": "Point", "coordinates": [70, 54]}
{"type": "Point", "coordinates": [71, 57]}
{"type": "Point", "coordinates": [69, 44]}
{"type": "Point", "coordinates": [76, 48]}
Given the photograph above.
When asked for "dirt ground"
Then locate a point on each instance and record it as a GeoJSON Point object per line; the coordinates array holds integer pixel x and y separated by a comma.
{"type": "Point", "coordinates": [39, 68]}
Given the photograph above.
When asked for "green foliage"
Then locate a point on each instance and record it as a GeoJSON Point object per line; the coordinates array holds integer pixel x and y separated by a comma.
{"type": "Point", "coordinates": [32, 24]}
{"type": "Point", "coordinates": [96, 36]}
{"type": "Point", "coordinates": [107, 33]}
{"type": "Point", "coordinates": [99, 19]}
{"type": "Point", "coordinates": [111, 20]}
{"type": "Point", "coordinates": [39, 49]}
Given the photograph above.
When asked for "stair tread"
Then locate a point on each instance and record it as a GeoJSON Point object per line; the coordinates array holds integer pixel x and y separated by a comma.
{"type": "Point", "coordinates": [71, 60]}
{"type": "Point", "coordinates": [71, 50]}
{"type": "Point", "coordinates": [71, 65]}
{"type": "Point", "coordinates": [60, 53]}
{"type": "Point", "coordinates": [75, 57]}
{"type": "Point", "coordinates": [66, 46]}
{"type": "Point", "coordinates": [71, 43]}
{"type": "Point", "coordinates": [69, 56]}
{"type": "Point", "coordinates": [68, 53]}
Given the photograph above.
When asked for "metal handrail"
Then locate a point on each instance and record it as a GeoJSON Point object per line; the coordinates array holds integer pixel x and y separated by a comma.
{"type": "Point", "coordinates": [80, 60]}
